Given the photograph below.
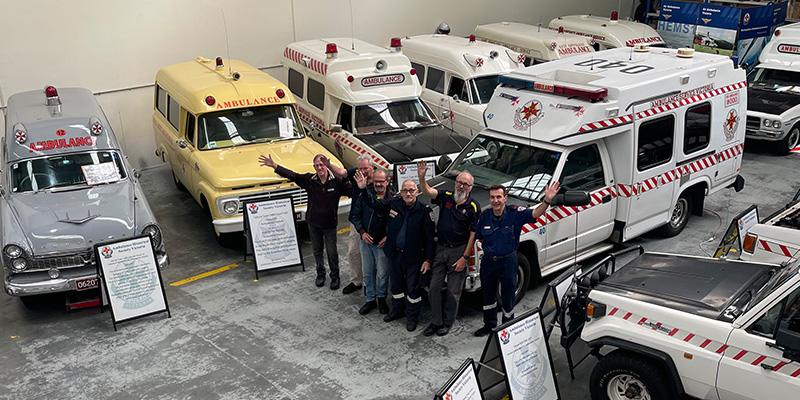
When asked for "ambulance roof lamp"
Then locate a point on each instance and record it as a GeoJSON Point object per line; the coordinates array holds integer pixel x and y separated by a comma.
{"type": "Point", "coordinates": [280, 93]}
{"type": "Point", "coordinates": [472, 38]}
{"type": "Point", "coordinates": [331, 51]}
{"type": "Point", "coordinates": [614, 15]}
{"type": "Point", "coordinates": [51, 96]}
{"type": "Point", "coordinates": [219, 63]}
{"type": "Point", "coordinates": [777, 32]}
{"type": "Point", "coordinates": [561, 30]}
{"type": "Point", "coordinates": [396, 45]}
{"type": "Point", "coordinates": [210, 100]}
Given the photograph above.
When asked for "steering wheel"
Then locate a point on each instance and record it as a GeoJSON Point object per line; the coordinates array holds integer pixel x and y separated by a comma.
{"type": "Point", "coordinates": [37, 175]}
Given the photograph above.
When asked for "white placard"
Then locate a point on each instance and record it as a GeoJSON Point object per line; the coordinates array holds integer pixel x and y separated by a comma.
{"type": "Point", "coordinates": [403, 172]}
{"type": "Point", "coordinates": [273, 233]}
{"type": "Point", "coordinates": [523, 348]}
{"type": "Point", "coordinates": [130, 275]}
{"type": "Point", "coordinates": [286, 127]}
{"type": "Point", "coordinates": [463, 385]}
{"type": "Point", "coordinates": [96, 174]}
{"type": "Point", "coordinates": [746, 222]}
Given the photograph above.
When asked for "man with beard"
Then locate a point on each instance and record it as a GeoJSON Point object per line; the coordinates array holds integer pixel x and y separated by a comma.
{"type": "Point", "coordinates": [371, 228]}
{"type": "Point", "coordinates": [458, 214]}
{"type": "Point", "coordinates": [409, 247]}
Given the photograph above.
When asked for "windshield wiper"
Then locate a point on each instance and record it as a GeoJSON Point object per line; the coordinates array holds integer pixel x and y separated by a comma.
{"type": "Point", "coordinates": [388, 129]}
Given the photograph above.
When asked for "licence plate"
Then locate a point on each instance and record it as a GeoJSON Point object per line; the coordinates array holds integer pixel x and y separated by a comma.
{"type": "Point", "coordinates": [86, 284]}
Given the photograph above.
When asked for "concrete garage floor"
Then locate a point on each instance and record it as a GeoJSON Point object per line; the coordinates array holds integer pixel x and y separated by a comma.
{"type": "Point", "coordinates": [231, 337]}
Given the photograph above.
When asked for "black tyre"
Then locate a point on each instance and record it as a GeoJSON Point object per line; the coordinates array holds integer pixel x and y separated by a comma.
{"type": "Point", "coordinates": [623, 376]}
{"type": "Point", "coordinates": [230, 240]}
{"type": "Point", "coordinates": [679, 216]}
{"type": "Point", "coordinates": [788, 143]}
{"type": "Point", "coordinates": [178, 183]}
{"type": "Point", "coordinates": [523, 277]}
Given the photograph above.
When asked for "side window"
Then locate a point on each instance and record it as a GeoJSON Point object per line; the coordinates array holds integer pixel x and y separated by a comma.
{"type": "Point", "coordinates": [655, 142]}
{"type": "Point", "coordinates": [345, 118]}
{"type": "Point", "coordinates": [316, 94]}
{"type": "Point", "coordinates": [189, 127]}
{"type": "Point", "coordinates": [583, 170]}
{"type": "Point", "coordinates": [458, 88]}
{"type": "Point", "coordinates": [420, 71]}
{"type": "Point", "coordinates": [296, 83]}
{"type": "Point", "coordinates": [698, 128]}
{"type": "Point", "coordinates": [791, 314]}
{"type": "Point", "coordinates": [435, 80]}
{"type": "Point", "coordinates": [161, 100]}
{"type": "Point", "coordinates": [767, 325]}
{"type": "Point", "coordinates": [173, 113]}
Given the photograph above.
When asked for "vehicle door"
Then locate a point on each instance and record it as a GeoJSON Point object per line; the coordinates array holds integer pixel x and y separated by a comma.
{"type": "Point", "coordinates": [336, 142]}
{"type": "Point", "coordinates": [752, 366]}
{"type": "Point", "coordinates": [183, 148]}
{"type": "Point", "coordinates": [457, 105]}
{"type": "Point", "coordinates": [587, 168]}
{"type": "Point", "coordinates": [435, 83]}
{"type": "Point", "coordinates": [651, 194]}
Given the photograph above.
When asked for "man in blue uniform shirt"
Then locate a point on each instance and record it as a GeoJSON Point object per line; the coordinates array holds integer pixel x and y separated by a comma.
{"type": "Point", "coordinates": [498, 230]}
{"type": "Point", "coordinates": [409, 247]}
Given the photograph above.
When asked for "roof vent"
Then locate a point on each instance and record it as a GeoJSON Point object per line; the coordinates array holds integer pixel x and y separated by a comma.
{"type": "Point", "coordinates": [685, 52]}
{"type": "Point", "coordinates": [641, 48]}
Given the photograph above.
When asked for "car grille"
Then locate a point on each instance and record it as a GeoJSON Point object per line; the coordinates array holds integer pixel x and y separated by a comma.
{"type": "Point", "coordinates": [61, 261]}
{"type": "Point", "coordinates": [299, 196]}
{"type": "Point", "coordinates": [753, 123]}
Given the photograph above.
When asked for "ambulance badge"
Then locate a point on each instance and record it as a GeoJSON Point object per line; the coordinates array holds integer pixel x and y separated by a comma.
{"type": "Point", "coordinates": [527, 115]}
{"type": "Point", "coordinates": [731, 124]}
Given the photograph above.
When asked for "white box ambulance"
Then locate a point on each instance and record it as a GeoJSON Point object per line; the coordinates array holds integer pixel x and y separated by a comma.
{"type": "Point", "coordinates": [536, 43]}
{"type": "Point", "coordinates": [359, 98]}
{"type": "Point", "coordinates": [648, 134]}
{"type": "Point", "coordinates": [458, 76]}
{"type": "Point", "coordinates": [773, 108]}
{"type": "Point", "coordinates": [609, 33]}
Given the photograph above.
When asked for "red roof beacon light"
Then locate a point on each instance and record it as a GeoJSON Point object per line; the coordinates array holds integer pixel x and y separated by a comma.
{"type": "Point", "coordinates": [614, 15]}
{"type": "Point", "coordinates": [472, 38]}
{"type": "Point", "coordinates": [51, 96]}
{"type": "Point", "coordinates": [331, 51]}
{"type": "Point", "coordinates": [280, 93]}
{"type": "Point", "coordinates": [561, 29]}
{"type": "Point", "coordinates": [396, 45]}
{"type": "Point", "coordinates": [210, 100]}
{"type": "Point", "coordinates": [413, 71]}
{"type": "Point", "coordinates": [350, 78]}
{"type": "Point", "coordinates": [219, 62]}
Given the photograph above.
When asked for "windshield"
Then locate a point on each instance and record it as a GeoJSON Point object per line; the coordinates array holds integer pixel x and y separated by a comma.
{"type": "Point", "coordinates": [775, 79]}
{"type": "Point", "coordinates": [523, 170]}
{"type": "Point", "coordinates": [483, 87]}
{"type": "Point", "coordinates": [247, 126]}
{"type": "Point", "coordinates": [61, 171]}
{"type": "Point", "coordinates": [782, 275]}
{"type": "Point", "coordinates": [374, 117]}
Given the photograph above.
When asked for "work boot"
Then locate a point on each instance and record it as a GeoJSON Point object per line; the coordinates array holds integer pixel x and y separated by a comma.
{"type": "Point", "coordinates": [485, 330]}
{"type": "Point", "coordinates": [320, 282]}
{"type": "Point", "coordinates": [444, 330]}
{"type": "Point", "coordinates": [367, 307]}
{"type": "Point", "coordinates": [393, 316]}
{"type": "Point", "coordinates": [350, 288]}
{"type": "Point", "coordinates": [431, 329]}
{"type": "Point", "coordinates": [334, 283]}
{"type": "Point", "coordinates": [411, 326]}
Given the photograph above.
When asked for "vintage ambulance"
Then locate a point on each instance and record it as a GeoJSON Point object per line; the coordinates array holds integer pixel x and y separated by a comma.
{"type": "Point", "coordinates": [773, 110]}
{"type": "Point", "coordinates": [461, 76]}
{"type": "Point", "coordinates": [537, 44]}
{"type": "Point", "coordinates": [609, 33]}
{"type": "Point", "coordinates": [212, 121]}
{"type": "Point", "coordinates": [648, 134]}
{"type": "Point", "coordinates": [359, 98]}
{"type": "Point", "coordinates": [66, 187]}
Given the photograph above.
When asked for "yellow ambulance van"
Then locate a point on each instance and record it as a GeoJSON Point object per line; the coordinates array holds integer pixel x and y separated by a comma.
{"type": "Point", "coordinates": [211, 123]}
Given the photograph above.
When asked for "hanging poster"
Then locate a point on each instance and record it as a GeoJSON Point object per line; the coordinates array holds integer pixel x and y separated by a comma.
{"type": "Point", "coordinates": [677, 22]}
{"type": "Point", "coordinates": [271, 230]}
{"type": "Point", "coordinates": [526, 359]}
{"type": "Point", "coordinates": [717, 27]}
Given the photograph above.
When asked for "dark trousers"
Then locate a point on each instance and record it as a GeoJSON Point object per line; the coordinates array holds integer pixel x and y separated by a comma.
{"type": "Point", "coordinates": [503, 271]}
{"type": "Point", "coordinates": [325, 237]}
{"type": "Point", "coordinates": [444, 303]}
{"type": "Point", "coordinates": [406, 292]}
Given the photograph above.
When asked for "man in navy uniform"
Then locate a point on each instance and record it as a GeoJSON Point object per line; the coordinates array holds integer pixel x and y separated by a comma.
{"type": "Point", "coordinates": [409, 247]}
{"type": "Point", "coordinates": [458, 214]}
{"type": "Point", "coordinates": [498, 230]}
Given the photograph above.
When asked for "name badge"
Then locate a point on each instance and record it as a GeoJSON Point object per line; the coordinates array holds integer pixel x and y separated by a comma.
{"type": "Point", "coordinates": [487, 227]}
{"type": "Point", "coordinates": [329, 190]}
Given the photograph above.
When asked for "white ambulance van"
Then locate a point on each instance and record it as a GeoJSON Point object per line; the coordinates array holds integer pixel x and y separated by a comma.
{"type": "Point", "coordinates": [609, 33]}
{"type": "Point", "coordinates": [359, 98]}
{"type": "Point", "coordinates": [647, 134]}
{"type": "Point", "coordinates": [536, 43]}
{"type": "Point", "coordinates": [458, 76]}
{"type": "Point", "coordinates": [773, 109]}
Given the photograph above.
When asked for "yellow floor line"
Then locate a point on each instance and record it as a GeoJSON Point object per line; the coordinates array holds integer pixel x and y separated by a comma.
{"type": "Point", "coordinates": [341, 231]}
{"type": "Point", "coordinates": [203, 275]}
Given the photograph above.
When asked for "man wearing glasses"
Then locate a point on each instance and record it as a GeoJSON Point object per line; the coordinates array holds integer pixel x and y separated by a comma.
{"type": "Point", "coordinates": [409, 247]}
{"type": "Point", "coordinates": [458, 214]}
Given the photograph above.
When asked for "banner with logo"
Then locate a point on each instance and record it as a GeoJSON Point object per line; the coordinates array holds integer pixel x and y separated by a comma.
{"type": "Point", "coordinates": [272, 233]}
{"type": "Point", "coordinates": [463, 385]}
{"type": "Point", "coordinates": [526, 358]}
{"type": "Point", "coordinates": [677, 22]}
{"type": "Point", "coordinates": [755, 28]}
{"type": "Point", "coordinates": [131, 278]}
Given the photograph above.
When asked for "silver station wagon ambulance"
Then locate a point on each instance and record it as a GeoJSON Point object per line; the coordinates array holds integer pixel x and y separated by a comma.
{"type": "Point", "coordinates": [66, 186]}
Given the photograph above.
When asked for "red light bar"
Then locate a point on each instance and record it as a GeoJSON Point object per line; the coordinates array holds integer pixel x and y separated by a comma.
{"type": "Point", "coordinates": [331, 48]}
{"type": "Point", "coordinates": [280, 93]}
{"type": "Point", "coordinates": [219, 62]}
{"type": "Point", "coordinates": [593, 95]}
{"type": "Point", "coordinates": [396, 42]}
{"type": "Point", "coordinates": [50, 91]}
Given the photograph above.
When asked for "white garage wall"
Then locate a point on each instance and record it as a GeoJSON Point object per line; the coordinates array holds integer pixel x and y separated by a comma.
{"type": "Point", "coordinates": [114, 48]}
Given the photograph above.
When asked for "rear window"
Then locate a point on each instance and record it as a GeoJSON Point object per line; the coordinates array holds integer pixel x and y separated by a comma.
{"type": "Point", "coordinates": [316, 94]}
{"type": "Point", "coordinates": [296, 83]}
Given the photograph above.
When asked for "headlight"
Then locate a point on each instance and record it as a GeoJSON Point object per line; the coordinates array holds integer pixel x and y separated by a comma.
{"type": "Point", "coordinates": [767, 123]}
{"type": "Point", "coordinates": [230, 207]}
{"type": "Point", "coordinates": [19, 264]}
{"type": "Point", "coordinates": [155, 232]}
{"type": "Point", "coordinates": [13, 251]}
{"type": "Point", "coordinates": [776, 124]}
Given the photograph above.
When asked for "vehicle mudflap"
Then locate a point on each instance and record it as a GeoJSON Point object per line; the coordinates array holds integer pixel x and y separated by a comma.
{"type": "Point", "coordinates": [738, 184]}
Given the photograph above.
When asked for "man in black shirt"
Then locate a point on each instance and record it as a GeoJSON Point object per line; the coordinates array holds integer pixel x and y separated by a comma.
{"type": "Point", "coordinates": [324, 191]}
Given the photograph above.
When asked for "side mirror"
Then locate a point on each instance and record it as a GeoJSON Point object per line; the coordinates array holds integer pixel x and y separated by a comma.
{"type": "Point", "coordinates": [443, 162]}
{"type": "Point", "coordinates": [336, 128]}
{"type": "Point", "coordinates": [571, 198]}
{"type": "Point", "coordinates": [181, 143]}
{"type": "Point", "coordinates": [455, 97]}
{"type": "Point", "coordinates": [445, 114]}
{"type": "Point", "coordinates": [789, 341]}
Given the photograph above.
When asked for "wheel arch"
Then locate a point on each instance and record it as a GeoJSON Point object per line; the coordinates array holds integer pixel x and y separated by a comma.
{"type": "Point", "coordinates": [659, 357]}
{"type": "Point", "coordinates": [697, 193]}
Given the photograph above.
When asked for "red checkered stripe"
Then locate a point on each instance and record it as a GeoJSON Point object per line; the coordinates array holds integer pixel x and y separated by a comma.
{"type": "Point", "coordinates": [350, 144]}
{"type": "Point", "coordinates": [315, 65]}
{"type": "Point", "coordinates": [560, 212]}
{"type": "Point", "coordinates": [791, 369]}
{"type": "Point", "coordinates": [657, 110]}
{"type": "Point", "coordinates": [776, 248]}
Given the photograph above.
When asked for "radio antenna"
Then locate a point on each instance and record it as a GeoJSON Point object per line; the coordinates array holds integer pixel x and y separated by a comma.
{"type": "Point", "coordinates": [227, 45]}
{"type": "Point", "coordinates": [352, 40]}
{"type": "Point", "coordinates": [540, 24]}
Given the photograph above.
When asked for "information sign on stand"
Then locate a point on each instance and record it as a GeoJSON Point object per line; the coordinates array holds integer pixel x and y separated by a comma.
{"type": "Point", "coordinates": [463, 385]}
{"type": "Point", "coordinates": [271, 231]}
{"type": "Point", "coordinates": [553, 298]}
{"type": "Point", "coordinates": [131, 278]}
{"type": "Point", "coordinates": [740, 224]}
{"type": "Point", "coordinates": [403, 172]}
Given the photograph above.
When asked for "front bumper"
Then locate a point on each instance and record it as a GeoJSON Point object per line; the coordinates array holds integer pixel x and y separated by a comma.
{"type": "Point", "coordinates": [235, 224]}
{"type": "Point", "coordinates": [39, 282]}
{"type": "Point", "coordinates": [763, 134]}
